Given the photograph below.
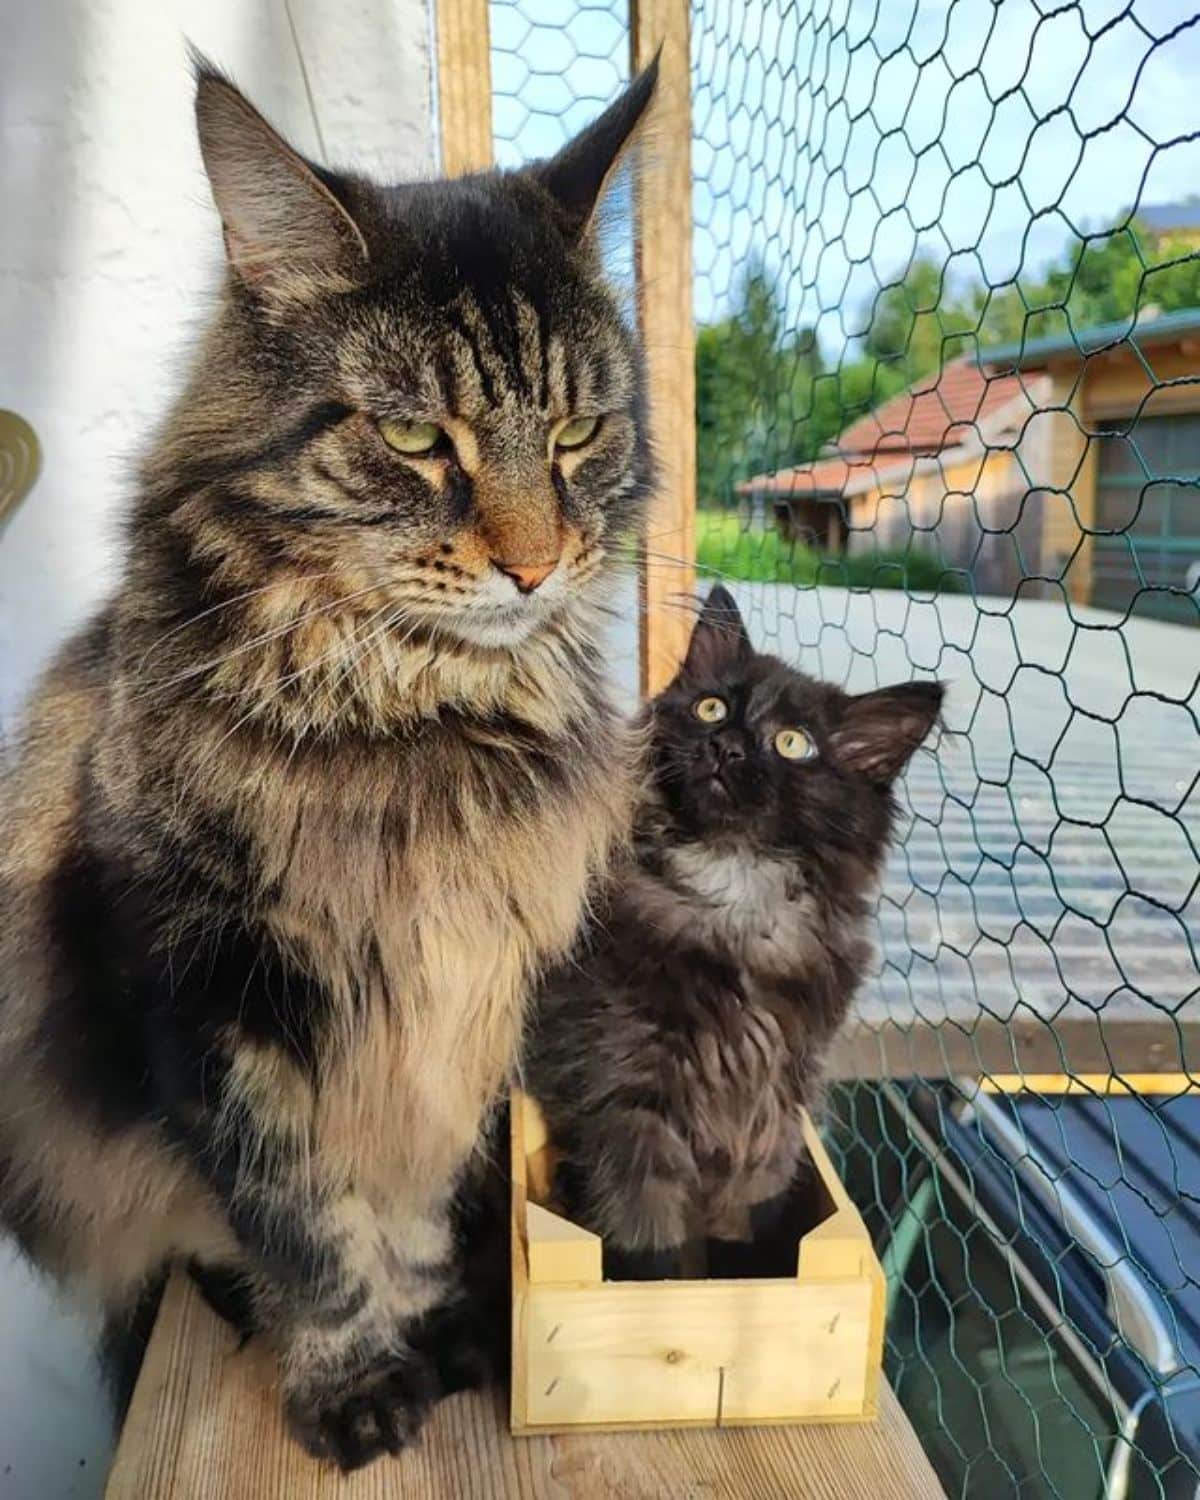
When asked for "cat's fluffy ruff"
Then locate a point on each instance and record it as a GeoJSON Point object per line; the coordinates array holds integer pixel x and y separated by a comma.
{"type": "Point", "coordinates": [297, 820]}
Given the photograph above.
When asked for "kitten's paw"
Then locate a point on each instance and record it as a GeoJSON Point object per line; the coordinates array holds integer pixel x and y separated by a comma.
{"type": "Point", "coordinates": [466, 1348]}
{"type": "Point", "coordinates": [381, 1412]}
{"type": "Point", "coordinates": [643, 1265]}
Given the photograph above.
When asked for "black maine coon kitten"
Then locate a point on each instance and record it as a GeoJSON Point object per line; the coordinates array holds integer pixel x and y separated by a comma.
{"type": "Point", "coordinates": [673, 1056]}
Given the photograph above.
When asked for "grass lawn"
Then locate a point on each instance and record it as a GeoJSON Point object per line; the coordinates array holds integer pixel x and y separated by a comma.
{"type": "Point", "coordinates": [725, 544]}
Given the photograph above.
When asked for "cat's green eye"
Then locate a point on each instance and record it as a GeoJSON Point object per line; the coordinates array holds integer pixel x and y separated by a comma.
{"type": "Point", "coordinates": [710, 710]}
{"type": "Point", "coordinates": [794, 744]}
{"type": "Point", "coordinates": [576, 432]}
{"type": "Point", "coordinates": [413, 438]}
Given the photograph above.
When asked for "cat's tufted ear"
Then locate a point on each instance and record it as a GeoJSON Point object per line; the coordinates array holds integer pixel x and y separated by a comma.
{"type": "Point", "coordinates": [280, 218]}
{"type": "Point", "coordinates": [719, 640]}
{"type": "Point", "coordinates": [880, 731]}
{"type": "Point", "coordinates": [577, 177]}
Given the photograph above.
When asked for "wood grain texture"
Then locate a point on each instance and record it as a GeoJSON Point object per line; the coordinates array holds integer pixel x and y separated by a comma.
{"type": "Point", "coordinates": [560, 1250]}
{"type": "Point", "coordinates": [969, 1043]}
{"type": "Point", "coordinates": [464, 85]}
{"type": "Point", "coordinates": [709, 1352]}
{"type": "Point", "coordinates": [205, 1425]}
{"type": "Point", "coordinates": [664, 268]}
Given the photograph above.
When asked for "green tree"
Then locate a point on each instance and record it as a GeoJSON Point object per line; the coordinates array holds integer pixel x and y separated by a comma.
{"type": "Point", "coordinates": [1113, 278]}
{"type": "Point", "coordinates": [766, 400]}
{"type": "Point", "coordinates": [764, 397]}
{"type": "Point", "coordinates": [747, 373]}
{"type": "Point", "coordinates": [913, 323]}
{"type": "Point", "coordinates": [920, 322]}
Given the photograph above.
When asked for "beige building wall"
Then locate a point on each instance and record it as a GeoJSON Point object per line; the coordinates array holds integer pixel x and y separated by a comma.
{"type": "Point", "coordinates": [1063, 452]}
{"type": "Point", "coordinates": [1027, 505]}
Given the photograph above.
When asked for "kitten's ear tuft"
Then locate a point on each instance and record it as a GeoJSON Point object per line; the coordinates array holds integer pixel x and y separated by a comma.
{"type": "Point", "coordinates": [880, 731]}
{"type": "Point", "coordinates": [279, 217]}
{"type": "Point", "coordinates": [577, 177]}
{"type": "Point", "coordinates": [719, 640]}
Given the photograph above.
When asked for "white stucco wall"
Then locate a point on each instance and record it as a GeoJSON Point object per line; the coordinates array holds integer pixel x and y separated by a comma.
{"type": "Point", "coordinates": [109, 247]}
{"type": "Point", "coordinates": [109, 244]}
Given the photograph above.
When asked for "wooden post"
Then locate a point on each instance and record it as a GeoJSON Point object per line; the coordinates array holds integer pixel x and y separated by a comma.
{"type": "Point", "coordinates": [664, 272]}
{"type": "Point", "coordinates": [464, 86]}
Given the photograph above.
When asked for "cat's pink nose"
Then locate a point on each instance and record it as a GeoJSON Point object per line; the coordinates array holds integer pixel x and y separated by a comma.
{"type": "Point", "coordinates": [527, 576]}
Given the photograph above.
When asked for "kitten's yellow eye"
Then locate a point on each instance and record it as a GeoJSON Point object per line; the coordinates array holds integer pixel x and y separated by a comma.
{"type": "Point", "coordinates": [576, 432]}
{"type": "Point", "coordinates": [415, 438]}
{"type": "Point", "coordinates": [794, 744]}
{"type": "Point", "coordinates": [711, 710]}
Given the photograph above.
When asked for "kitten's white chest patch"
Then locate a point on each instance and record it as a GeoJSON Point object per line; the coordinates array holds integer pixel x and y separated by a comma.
{"type": "Point", "coordinates": [756, 904]}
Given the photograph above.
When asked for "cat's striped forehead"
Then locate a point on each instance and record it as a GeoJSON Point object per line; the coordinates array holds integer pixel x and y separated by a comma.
{"type": "Point", "coordinates": [481, 355]}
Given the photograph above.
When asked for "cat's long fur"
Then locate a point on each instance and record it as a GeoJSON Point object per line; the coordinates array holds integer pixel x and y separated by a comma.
{"type": "Point", "coordinates": [673, 1054]}
{"type": "Point", "coordinates": [296, 821]}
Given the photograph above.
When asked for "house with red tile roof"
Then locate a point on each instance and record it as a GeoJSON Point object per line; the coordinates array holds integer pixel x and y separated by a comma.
{"type": "Point", "coordinates": [937, 458]}
{"type": "Point", "coordinates": [1073, 460]}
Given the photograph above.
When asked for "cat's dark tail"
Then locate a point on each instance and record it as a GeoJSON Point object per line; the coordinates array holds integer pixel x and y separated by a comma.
{"type": "Point", "coordinates": [127, 1328]}
{"type": "Point", "coordinates": [229, 1292]}
{"type": "Point", "coordinates": [124, 1339]}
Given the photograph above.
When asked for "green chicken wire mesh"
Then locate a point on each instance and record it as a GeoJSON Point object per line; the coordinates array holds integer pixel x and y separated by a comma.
{"type": "Point", "coordinates": [947, 297]}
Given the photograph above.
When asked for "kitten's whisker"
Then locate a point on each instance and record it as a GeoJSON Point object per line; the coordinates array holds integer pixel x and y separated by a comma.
{"type": "Point", "coordinates": [399, 613]}
{"type": "Point", "coordinates": [393, 616]}
{"type": "Point", "coordinates": [399, 608]}
{"type": "Point", "coordinates": [641, 611]}
{"type": "Point", "coordinates": [336, 651]}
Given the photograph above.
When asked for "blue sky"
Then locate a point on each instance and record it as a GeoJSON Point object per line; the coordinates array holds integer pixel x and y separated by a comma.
{"type": "Point", "coordinates": [833, 137]}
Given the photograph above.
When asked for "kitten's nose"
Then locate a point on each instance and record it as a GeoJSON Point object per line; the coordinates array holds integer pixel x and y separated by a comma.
{"type": "Point", "coordinates": [730, 750]}
{"type": "Point", "coordinates": [526, 576]}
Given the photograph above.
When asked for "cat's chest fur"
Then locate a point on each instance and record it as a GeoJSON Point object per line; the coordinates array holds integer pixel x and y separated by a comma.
{"type": "Point", "coordinates": [430, 951]}
{"type": "Point", "coordinates": [753, 917]}
{"type": "Point", "coordinates": [422, 886]}
{"type": "Point", "coordinates": [753, 906]}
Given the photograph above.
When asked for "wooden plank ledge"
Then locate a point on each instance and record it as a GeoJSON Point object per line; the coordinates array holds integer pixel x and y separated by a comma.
{"type": "Point", "coordinates": [205, 1425]}
{"type": "Point", "coordinates": [965, 1041]}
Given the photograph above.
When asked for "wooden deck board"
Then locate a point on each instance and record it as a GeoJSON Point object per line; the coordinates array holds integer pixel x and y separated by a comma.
{"type": "Point", "coordinates": [877, 1043]}
{"type": "Point", "coordinates": [205, 1425]}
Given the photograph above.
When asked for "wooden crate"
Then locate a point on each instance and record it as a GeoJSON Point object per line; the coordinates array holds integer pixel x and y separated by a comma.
{"type": "Point", "coordinates": [602, 1355]}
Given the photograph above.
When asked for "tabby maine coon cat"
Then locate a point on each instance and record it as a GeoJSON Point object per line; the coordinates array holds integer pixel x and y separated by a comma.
{"type": "Point", "coordinates": [299, 818]}
{"type": "Point", "coordinates": [672, 1056]}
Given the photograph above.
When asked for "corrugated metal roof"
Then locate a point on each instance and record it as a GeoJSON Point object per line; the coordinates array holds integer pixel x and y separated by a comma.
{"type": "Point", "coordinates": [1134, 1162]}
{"type": "Point", "coordinates": [1161, 218]}
{"type": "Point", "coordinates": [1035, 353]}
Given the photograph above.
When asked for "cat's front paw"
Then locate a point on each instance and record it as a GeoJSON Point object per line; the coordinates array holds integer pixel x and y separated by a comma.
{"type": "Point", "coordinates": [466, 1343]}
{"type": "Point", "coordinates": [644, 1265]}
{"type": "Point", "coordinates": [381, 1412]}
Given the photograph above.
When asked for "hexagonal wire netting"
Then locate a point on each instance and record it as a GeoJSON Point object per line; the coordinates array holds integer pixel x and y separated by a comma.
{"type": "Point", "coordinates": [947, 295]}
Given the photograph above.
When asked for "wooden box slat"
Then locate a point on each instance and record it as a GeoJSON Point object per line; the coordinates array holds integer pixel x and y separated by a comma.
{"type": "Point", "coordinates": [614, 1356]}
